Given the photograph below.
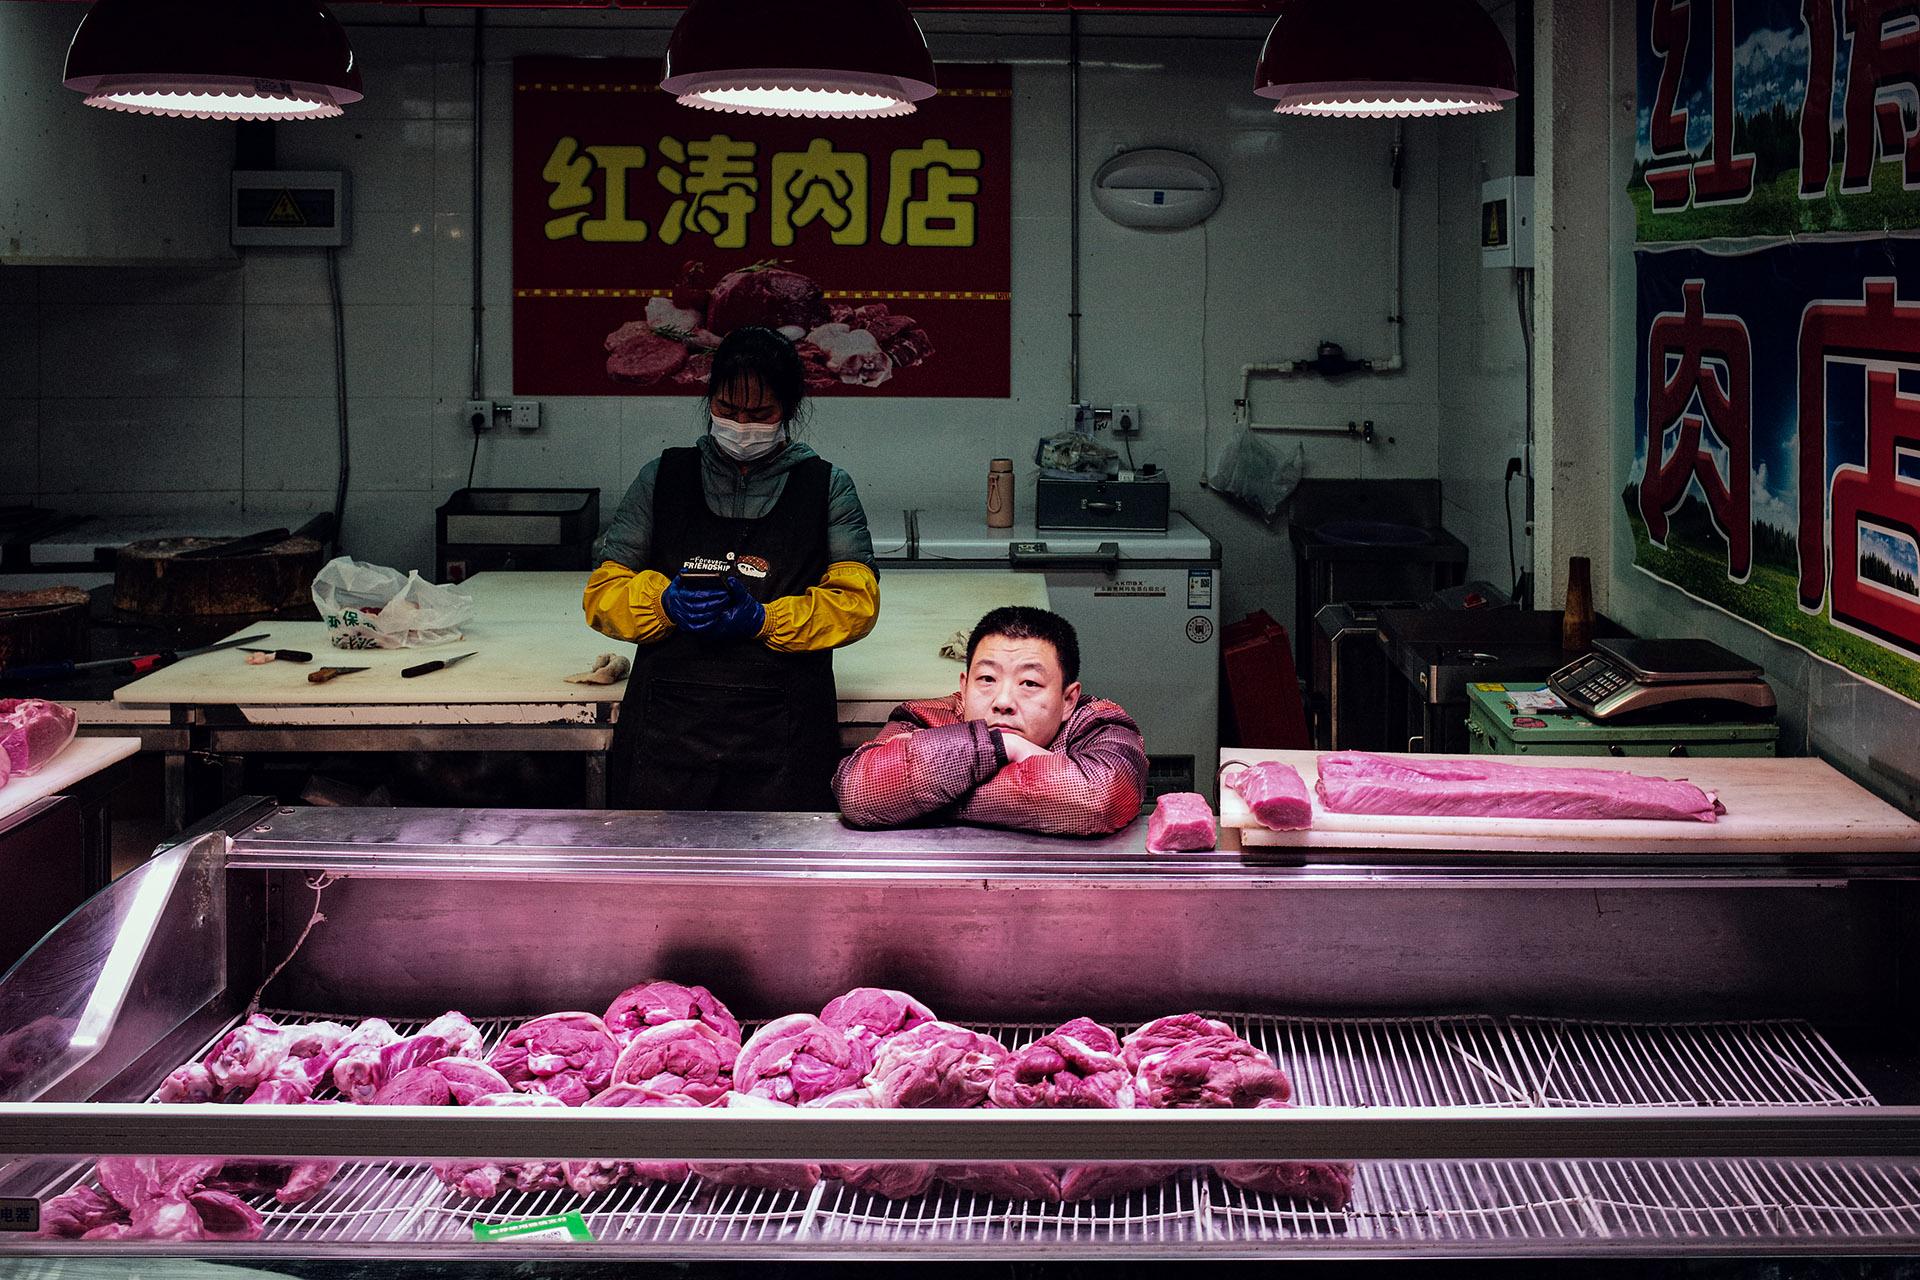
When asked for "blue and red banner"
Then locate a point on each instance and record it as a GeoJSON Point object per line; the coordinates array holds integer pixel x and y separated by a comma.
{"type": "Point", "coordinates": [1776, 117]}
{"type": "Point", "coordinates": [1776, 468]}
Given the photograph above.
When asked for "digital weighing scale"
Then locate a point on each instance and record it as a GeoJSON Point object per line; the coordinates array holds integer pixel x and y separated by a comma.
{"type": "Point", "coordinates": [1663, 680]}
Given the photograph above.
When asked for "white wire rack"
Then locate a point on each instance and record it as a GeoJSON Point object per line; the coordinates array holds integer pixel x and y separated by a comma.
{"type": "Point", "coordinates": [1448, 1206]}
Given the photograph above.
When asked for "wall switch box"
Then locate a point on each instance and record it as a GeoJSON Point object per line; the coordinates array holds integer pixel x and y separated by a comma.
{"type": "Point", "coordinates": [1506, 223]}
{"type": "Point", "coordinates": [526, 415]}
{"type": "Point", "coordinates": [1126, 420]}
{"type": "Point", "coordinates": [478, 416]}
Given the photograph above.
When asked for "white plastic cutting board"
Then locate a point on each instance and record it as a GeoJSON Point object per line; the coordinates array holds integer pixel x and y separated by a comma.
{"type": "Point", "coordinates": [1773, 806]}
{"type": "Point", "coordinates": [83, 758]}
{"type": "Point", "coordinates": [528, 633]}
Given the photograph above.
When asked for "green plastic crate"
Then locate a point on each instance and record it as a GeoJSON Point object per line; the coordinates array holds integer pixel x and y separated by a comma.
{"type": "Point", "coordinates": [1491, 731]}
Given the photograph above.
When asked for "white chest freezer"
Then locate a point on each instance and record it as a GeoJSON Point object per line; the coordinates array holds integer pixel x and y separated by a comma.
{"type": "Point", "coordinates": [1146, 607]}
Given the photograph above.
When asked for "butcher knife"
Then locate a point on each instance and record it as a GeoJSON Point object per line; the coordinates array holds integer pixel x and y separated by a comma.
{"type": "Point", "coordinates": [438, 664]}
{"type": "Point", "coordinates": [283, 655]}
{"type": "Point", "coordinates": [140, 665]}
{"type": "Point", "coordinates": [325, 674]}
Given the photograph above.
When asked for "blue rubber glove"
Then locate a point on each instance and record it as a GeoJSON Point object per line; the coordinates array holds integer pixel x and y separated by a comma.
{"type": "Point", "coordinates": [692, 608]}
{"type": "Point", "coordinates": [740, 619]}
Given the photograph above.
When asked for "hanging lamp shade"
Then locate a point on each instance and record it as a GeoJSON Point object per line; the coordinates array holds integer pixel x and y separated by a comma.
{"type": "Point", "coordinates": [214, 59]}
{"type": "Point", "coordinates": [1384, 58]}
{"type": "Point", "coordinates": [844, 58]}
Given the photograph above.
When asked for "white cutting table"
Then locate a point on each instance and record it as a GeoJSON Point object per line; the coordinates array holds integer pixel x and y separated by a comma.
{"type": "Point", "coordinates": [528, 633]}
{"type": "Point", "coordinates": [1774, 806]}
{"type": "Point", "coordinates": [88, 770]}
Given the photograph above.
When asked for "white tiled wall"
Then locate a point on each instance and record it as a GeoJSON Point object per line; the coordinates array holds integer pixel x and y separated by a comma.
{"type": "Point", "coordinates": [160, 390]}
{"type": "Point", "coordinates": [1482, 354]}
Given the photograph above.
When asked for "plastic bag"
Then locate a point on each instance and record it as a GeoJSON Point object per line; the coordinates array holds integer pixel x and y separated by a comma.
{"type": "Point", "coordinates": [369, 606]}
{"type": "Point", "coordinates": [1071, 453]}
{"type": "Point", "coordinates": [1258, 474]}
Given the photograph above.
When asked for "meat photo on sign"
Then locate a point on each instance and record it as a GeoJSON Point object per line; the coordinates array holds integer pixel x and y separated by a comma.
{"type": "Point", "coordinates": [839, 344]}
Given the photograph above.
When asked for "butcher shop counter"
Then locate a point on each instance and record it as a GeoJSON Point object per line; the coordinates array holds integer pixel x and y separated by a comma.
{"type": "Point", "coordinates": [527, 635]}
{"type": "Point", "coordinates": [1599, 1065]}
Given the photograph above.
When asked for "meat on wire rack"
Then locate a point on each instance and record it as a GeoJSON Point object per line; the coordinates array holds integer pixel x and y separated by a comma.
{"type": "Point", "coordinates": [1463, 1206]}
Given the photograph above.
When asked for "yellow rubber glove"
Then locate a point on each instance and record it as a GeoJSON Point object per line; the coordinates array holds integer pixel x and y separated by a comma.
{"type": "Point", "coordinates": [840, 610]}
{"type": "Point", "coordinates": [626, 605]}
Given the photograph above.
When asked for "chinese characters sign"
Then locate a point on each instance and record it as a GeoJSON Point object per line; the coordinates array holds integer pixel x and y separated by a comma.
{"type": "Point", "coordinates": [1774, 117]}
{"type": "Point", "coordinates": [644, 232]}
{"type": "Point", "coordinates": [1776, 467]}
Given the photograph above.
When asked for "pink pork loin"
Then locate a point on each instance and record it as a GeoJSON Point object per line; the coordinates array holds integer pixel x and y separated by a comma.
{"type": "Point", "coordinates": [569, 1056]}
{"type": "Point", "coordinates": [687, 1057]}
{"type": "Point", "coordinates": [798, 1058]}
{"type": "Point", "coordinates": [1276, 794]}
{"type": "Point", "coordinates": [1182, 822]}
{"type": "Point", "coordinates": [1164, 1033]}
{"type": "Point", "coordinates": [1417, 786]}
{"type": "Point", "coordinates": [871, 1014]}
{"type": "Point", "coordinates": [656, 1001]}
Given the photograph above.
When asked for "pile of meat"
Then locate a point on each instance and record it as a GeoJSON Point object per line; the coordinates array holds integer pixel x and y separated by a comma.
{"type": "Point", "coordinates": [838, 344]}
{"type": "Point", "coordinates": [32, 732]}
{"type": "Point", "coordinates": [661, 1044]}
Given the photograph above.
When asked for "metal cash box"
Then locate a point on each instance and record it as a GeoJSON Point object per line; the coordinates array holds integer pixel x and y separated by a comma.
{"type": "Point", "coordinates": [1494, 727]}
{"type": "Point", "coordinates": [1138, 504]}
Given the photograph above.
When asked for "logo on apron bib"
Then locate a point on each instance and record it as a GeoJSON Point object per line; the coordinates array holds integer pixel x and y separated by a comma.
{"type": "Point", "coordinates": [753, 567]}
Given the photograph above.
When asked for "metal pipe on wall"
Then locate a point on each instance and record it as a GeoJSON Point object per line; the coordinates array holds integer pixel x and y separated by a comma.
{"type": "Point", "coordinates": [1073, 205]}
{"type": "Point", "coordinates": [477, 391]}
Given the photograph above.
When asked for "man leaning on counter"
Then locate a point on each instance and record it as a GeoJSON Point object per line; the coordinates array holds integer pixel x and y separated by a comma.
{"type": "Point", "coordinates": [1020, 745]}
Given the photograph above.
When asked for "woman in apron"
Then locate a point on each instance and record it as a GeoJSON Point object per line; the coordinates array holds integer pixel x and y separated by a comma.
{"type": "Point", "coordinates": [737, 566]}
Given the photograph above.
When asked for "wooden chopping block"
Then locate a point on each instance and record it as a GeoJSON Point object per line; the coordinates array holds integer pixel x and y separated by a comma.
{"type": "Point", "coordinates": [150, 580]}
{"type": "Point", "coordinates": [49, 625]}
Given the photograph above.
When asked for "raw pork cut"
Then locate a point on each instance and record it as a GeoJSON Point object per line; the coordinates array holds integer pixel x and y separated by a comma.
{"type": "Point", "coordinates": [935, 1064]}
{"type": "Point", "coordinates": [767, 295]}
{"type": "Point", "coordinates": [567, 1055]}
{"type": "Point", "coordinates": [1002, 1181]}
{"type": "Point", "coordinates": [1276, 794]}
{"type": "Point", "coordinates": [894, 1180]}
{"type": "Point", "coordinates": [463, 1038]}
{"type": "Point", "coordinates": [591, 1177]}
{"type": "Point", "coordinates": [1211, 1071]}
{"type": "Point", "coordinates": [34, 731]}
{"type": "Point", "coordinates": [685, 1057]}
{"type": "Point", "coordinates": [360, 1074]}
{"type": "Point", "coordinates": [485, 1179]}
{"type": "Point", "coordinates": [1076, 1065]}
{"type": "Point", "coordinates": [1325, 1183]}
{"type": "Point", "coordinates": [248, 1054]}
{"type": "Point", "coordinates": [657, 1001]}
{"type": "Point", "coordinates": [1182, 821]}
{"type": "Point", "coordinates": [1163, 1033]}
{"type": "Point", "coordinates": [1416, 786]}
{"type": "Point", "coordinates": [77, 1212]}
{"type": "Point", "coordinates": [468, 1080]}
{"type": "Point", "coordinates": [356, 1056]}
{"type": "Point", "coordinates": [316, 1039]}
{"type": "Point", "coordinates": [773, 1176]}
{"type": "Point", "coordinates": [190, 1083]}
{"type": "Point", "coordinates": [1102, 1181]}
{"type": "Point", "coordinates": [871, 1014]}
{"type": "Point", "coordinates": [643, 356]}
{"type": "Point", "coordinates": [799, 1058]}
{"type": "Point", "coordinates": [414, 1087]}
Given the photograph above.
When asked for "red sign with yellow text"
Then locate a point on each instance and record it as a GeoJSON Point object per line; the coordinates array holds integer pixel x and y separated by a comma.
{"type": "Point", "coordinates": [644, 232]}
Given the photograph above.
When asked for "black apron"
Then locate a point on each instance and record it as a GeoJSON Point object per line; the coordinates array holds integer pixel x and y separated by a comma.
{"type": "Point", "coordinates": [731, 724]}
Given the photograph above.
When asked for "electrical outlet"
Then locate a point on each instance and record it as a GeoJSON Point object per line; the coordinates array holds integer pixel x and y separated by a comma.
{"type": "Point", "coordinates": [478, 416]}
{"type": "Point", "coordinates": [526, 415]}
{"type": "Point", "coordinates": [1126, 420]}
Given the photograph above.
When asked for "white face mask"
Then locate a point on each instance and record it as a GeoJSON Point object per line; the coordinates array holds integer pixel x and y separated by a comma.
{"type": "Point", "coordinates": [747, 441]}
